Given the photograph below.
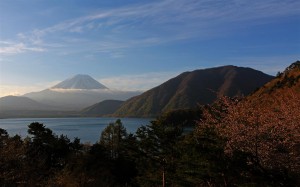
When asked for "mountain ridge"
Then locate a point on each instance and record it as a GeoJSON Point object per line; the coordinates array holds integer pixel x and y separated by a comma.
{"type": "Point", "coordinates": [189, 89]}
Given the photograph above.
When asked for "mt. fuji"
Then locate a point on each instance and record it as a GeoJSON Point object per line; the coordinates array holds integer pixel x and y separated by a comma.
{"type": "Point", "coordinates": [78, 92]}
{"type": "Point", "coordinates": [79, 81]}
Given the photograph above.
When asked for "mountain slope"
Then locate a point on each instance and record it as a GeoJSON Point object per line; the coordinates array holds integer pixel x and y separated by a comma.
{"type": "Point", "coordinates": [102, 108]}
{"type": "Point", "coordinates": [192, 88]}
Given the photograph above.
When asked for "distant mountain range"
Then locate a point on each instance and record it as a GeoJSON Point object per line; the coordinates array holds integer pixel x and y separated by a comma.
{"type": "Point", "coordinates": [87, 97]}
{"type": "Point", "coordinates": [13, 106]}
{"type": "Point", "coordinates": [67, 98]}
{"type": "Point", "coordinates": [192, 88]}
{"type": "Point", "coordinates": [21, 103]}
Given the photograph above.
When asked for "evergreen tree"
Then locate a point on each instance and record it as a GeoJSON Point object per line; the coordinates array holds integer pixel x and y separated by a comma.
{"type": "Point", "coordinates": [112, 138]}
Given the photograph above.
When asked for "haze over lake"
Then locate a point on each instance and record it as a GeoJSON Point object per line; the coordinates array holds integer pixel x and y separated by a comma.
{"type": "Point", "coordinates": [87, 129]}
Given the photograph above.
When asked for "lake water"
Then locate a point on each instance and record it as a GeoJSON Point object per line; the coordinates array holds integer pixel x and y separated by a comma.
{"type": "Point", "coordinates": [87, 129]}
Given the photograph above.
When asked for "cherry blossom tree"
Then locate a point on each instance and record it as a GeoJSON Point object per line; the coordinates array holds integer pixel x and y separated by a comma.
{"type": "Point", "coordinates": [268, 130]}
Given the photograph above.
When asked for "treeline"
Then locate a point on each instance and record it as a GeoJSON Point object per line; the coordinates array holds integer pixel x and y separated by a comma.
{"type": "Point", "coordinates": [232, 144]}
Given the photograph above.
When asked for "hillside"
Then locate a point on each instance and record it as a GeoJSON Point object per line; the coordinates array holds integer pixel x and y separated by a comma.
{"type": "Point", "coordinates": [192, 88]}
{"type": "Point", "coordinates": [102, 108]}
{"type": "Point", "coordinates": [282, 85]}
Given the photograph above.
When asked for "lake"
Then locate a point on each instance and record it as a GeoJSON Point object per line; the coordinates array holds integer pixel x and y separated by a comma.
{"type": "Point", "coordinates": [87, 129]}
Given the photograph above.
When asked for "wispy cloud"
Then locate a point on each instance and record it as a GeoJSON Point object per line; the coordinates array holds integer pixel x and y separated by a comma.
{"type": "Point", "coordinates": [155, 23]}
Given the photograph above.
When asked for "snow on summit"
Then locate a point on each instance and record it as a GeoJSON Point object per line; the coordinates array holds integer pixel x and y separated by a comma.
{"type": "Point", "coordinates": [83, 82]}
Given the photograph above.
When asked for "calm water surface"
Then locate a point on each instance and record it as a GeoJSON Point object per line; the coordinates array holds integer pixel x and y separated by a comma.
{"type": "Point", "coordinates": [87, 129]}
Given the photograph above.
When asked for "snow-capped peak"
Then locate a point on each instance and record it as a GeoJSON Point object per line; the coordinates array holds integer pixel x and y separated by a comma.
{"type": "Point", "coordinates": [83, 82]}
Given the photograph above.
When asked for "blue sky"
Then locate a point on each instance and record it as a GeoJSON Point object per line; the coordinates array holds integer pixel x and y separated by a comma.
{"type": "Point", "coordinates": [138, 44]}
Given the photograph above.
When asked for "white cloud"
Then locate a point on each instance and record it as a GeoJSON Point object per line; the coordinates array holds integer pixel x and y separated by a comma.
{"type": "Point", "coordinates": [12, 49]}
{"type": "Point", "coordinates": [18, 48]}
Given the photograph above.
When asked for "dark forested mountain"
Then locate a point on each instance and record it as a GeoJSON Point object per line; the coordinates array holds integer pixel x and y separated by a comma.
{"type": "Point", "coordinates": [192, 88]}
{"type": "Point", "coordinates": [102, 108]}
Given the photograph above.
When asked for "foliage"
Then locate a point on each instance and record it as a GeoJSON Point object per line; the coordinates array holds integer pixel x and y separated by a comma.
{"type": "Point", "coordinates": [180, 117]}
{"type": "Point", "coordinates": [32, 161]}
{"type": "Point", "coordinates": [158, 153]}
{"type": "Point", "coordinates": [268, 137]}
{"type": "Point", "coordinates": [112, 138]}
{"type": "Point", "coordinates": [12, 151]}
